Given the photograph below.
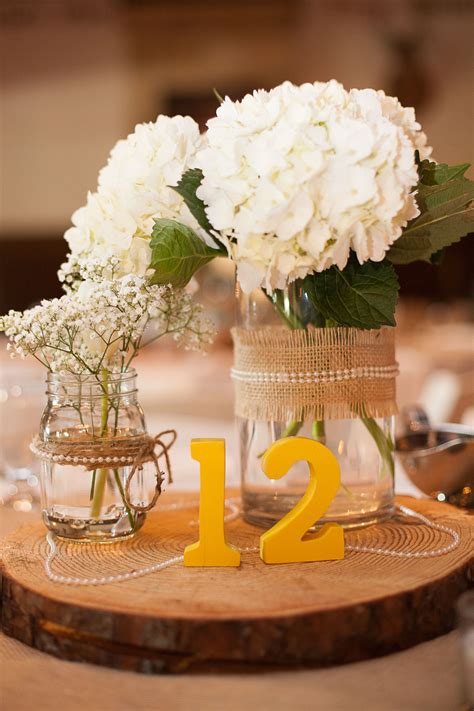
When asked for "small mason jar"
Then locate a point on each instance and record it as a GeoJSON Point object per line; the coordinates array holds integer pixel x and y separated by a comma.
{"type": "Point", "coordinates": [363, 447]}
{"type": "Point", "coordinates": [87, 503]}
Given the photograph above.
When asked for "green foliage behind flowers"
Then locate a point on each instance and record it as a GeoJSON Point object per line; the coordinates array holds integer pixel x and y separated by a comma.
{"type": "Point", "coordinates": [187, 188]}
{"type": "Point", "coordinates": [360, 295]}
{"type": "Point", "coordinates": [177, 253]}
{"type": "Point", "coordinates": [444, 196]}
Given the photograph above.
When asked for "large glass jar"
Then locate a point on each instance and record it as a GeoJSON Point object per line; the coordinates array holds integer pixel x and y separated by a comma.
{"type": "Point", "coordinates": [89, 414]}
{"type": "Point", "coordinates": [363, 446]}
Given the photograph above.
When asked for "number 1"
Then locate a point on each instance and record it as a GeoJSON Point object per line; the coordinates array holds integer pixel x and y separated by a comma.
{"type": "Point", "coordinates": [211, 549]}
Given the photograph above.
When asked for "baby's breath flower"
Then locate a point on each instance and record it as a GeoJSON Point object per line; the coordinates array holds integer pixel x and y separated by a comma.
{"type": "Point", "coordinates": [102, 322]}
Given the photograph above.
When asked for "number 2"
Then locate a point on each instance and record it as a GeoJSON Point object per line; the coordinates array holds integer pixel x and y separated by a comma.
{"type": "Point", "coordinates": [283, 542]}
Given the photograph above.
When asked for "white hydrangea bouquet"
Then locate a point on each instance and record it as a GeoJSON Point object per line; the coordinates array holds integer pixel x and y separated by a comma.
{"type": "Point", "coordinates": [316, 183]}
{"type": "Point", "coordinates": [305, 183]}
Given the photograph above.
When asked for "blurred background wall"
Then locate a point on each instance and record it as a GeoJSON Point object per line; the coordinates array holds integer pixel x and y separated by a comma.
{"type": "Point", "coordinates": [77, 75]}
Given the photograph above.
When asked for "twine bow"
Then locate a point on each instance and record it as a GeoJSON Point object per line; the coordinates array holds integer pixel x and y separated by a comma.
{"type": "Point", "coordinates": [146, 454]}
{"type": "Point", "coordinates": [122, 451]}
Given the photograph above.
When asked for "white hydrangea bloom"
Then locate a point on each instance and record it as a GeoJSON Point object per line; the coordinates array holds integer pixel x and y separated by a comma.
{"type": "Point", "coordinates": [133, 189]}
{"type": "Point", "coordinates": [402, 116]}
{"type": "Point", "coordinates": [296, 177]}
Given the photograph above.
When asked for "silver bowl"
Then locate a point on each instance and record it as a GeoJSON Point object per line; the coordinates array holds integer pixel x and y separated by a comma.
{"type": "Point", "coordinates": [439, 460]}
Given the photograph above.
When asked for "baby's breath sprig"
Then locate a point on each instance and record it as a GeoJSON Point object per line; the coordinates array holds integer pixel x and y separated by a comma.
{"type": "Point", "coordinates": [103, 321]}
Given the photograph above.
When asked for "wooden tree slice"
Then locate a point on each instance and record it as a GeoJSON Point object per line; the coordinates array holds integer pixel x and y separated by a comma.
{"type": "Point", "coordinates": [272, 616]}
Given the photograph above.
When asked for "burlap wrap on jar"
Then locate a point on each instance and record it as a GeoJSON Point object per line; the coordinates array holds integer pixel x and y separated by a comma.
{"type": "Point", "coordinates": [320, 373]}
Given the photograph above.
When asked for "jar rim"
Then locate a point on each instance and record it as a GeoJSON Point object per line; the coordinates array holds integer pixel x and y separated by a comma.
{"type": "Point", "coordinates": [89, 378]}
{"type": "Point", "coordinates": [60, 385]}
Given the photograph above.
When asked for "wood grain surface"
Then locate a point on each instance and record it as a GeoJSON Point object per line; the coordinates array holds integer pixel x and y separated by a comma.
{"type": "Point", "coordinates": [254, 617]}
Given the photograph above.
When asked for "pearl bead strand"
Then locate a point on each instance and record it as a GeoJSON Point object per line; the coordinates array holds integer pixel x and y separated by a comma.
{"type": "Point", "coordinates": [234, 513]}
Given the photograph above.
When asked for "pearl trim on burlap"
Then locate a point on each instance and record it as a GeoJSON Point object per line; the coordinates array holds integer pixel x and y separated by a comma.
{"type": "Point", "coordinates": [323, 376]}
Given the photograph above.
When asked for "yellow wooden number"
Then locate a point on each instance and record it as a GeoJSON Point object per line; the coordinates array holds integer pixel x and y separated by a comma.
{"type": "Point", "coordinates": [211, 549]}
{"type": "Point", "coordinates": [283, 542]}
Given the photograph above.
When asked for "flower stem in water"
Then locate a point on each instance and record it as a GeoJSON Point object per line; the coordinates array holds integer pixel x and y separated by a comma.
{"type": "Point", "coordinates": [91, 493]}
{"type": "Point", "coordinates": [318, 430]}
{"type": "Point", "coordinates": [99, 491]}
{"type": "Point", "coordinates": [292, 428]}
{"type": "Point", "coordinates": [99, 481]}
{"type": "Point", "coordinates": [384, 444]}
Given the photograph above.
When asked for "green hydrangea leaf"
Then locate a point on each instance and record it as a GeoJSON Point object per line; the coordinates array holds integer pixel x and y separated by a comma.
{"type": "Point", "coordinates": [447, 215]}
{"type": "Point", "coordinates": [361, 295]}
{"type": "Point", "coordinates": [438, 173]}
{"type": "Point", "coordinates": [187, 188]}
{"type": "Point", "coordinates": [177, 253]}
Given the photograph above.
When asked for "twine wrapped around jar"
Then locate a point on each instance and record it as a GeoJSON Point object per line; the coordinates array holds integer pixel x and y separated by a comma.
{"type": "Point", "coordinates": [323, 373]}
{"type": "Point", "coordinates": [113, 452]}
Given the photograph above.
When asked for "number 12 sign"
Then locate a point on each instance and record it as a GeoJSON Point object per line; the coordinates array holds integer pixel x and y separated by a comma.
{"type": "Point", "coordinates": [284, 542]}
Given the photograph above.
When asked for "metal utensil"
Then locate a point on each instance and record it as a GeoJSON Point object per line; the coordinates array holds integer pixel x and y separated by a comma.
{"type": "Point", "coordinates": [439, 460]}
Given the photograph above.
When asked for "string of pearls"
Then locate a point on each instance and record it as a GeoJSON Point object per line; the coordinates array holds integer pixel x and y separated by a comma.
{"type": "Point", "coordinates": [232, 515]}
{"type": "Point", "coordinates": [456, 539]}
{"type": "Point", "coordinates": [107, 579]}
{"type": "Point", "coordinates": [323, 376]}
{"type": "Point", "coordinates": [67, 458]}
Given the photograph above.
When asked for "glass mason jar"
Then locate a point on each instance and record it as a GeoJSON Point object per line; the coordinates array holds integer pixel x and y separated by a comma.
{"type": "Point", "coordinates": [363, 447]}
{"type": "Point", "coordinates": [81, 502]}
